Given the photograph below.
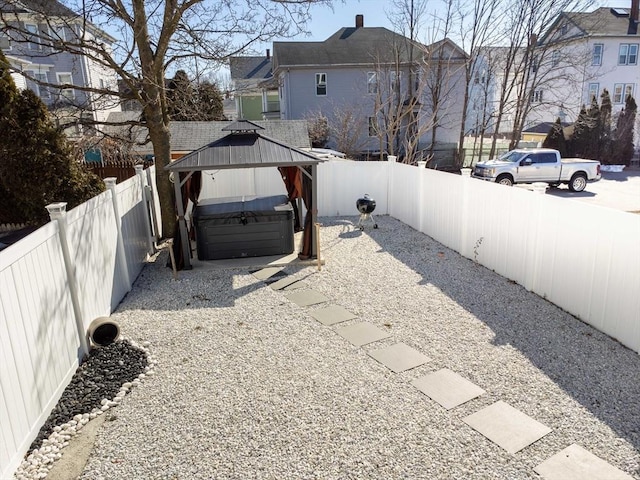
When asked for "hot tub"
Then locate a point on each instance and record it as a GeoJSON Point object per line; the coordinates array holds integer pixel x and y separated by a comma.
{"type": "Point", "coordinates": [235, 227]}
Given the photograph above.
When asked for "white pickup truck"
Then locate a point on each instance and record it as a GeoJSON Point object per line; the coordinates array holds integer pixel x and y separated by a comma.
{"type": "Point", "coordinates": [538, 165]}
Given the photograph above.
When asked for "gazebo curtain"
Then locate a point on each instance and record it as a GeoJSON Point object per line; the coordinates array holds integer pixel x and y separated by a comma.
{"type": "Point", "coordinates": [190, 191]}
{"type": "Point", "coordinates": [307, 197]}
{"type": "Point", "coordinates": [292, 178]}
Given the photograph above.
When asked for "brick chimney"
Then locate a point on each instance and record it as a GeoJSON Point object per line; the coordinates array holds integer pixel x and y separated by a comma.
{"type": "Point", "coordinates": [360, 20]}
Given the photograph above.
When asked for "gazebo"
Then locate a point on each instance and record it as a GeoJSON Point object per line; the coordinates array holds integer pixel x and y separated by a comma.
{"type": "Point", "coordinates": [245, 147]}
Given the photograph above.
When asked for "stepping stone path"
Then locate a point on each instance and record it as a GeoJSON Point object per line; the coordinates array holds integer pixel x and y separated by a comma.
{"type": "Point", "coordinates": [332, 315]}
{"type": "Point", "coordinates": [288, 283]}
{"type": "Point", "coordinates": [305, 298]}
{"type": "Point", "coordinates": [363, 333]}
{"type": "Point", "coordinates": [399, 357]}
{"type": "Point", "coordinates": [506, 426]}
{"type": "Point", "coordinates": [501, 423]}
{"type": "Point", "coordinates": [576, 463]}
{"type": "Point", "coordinates": [447, 388]}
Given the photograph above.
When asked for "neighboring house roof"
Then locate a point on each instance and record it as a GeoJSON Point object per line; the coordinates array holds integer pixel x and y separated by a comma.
{"type": "Point", "coordinates": [189, 136]}
{"type": "Point", "coordinates": [348, 46]}
{"type": "Point", "coordinates": [250, 68]}
{"type": "Point", "coordinates": [360, 45]}
{"type": "Point", "coordinates": [543, 127]}
{"type": "Point", "coordinates": [603, 21]}
{"type": "Point", "coordinates": [47, 8]}
{"type": "Point", "coordinates": [51, 7]}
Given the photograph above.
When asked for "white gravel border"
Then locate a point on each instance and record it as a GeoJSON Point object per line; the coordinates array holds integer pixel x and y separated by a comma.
{"type": "Point", "coordinates": [249, 385]}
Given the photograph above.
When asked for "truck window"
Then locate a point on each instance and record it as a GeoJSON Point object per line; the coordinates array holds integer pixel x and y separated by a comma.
{"type": "Point", "coordinates": [543, 157]}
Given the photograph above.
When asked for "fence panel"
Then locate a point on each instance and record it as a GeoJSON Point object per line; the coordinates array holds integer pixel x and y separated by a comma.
{"type": "Point", "coordinates": [404, 194]}
{"type": "Point", "coordinates": [132, 205]}
{"type": "Point", "coordinates": [242, 182]}
{"type": "Point", "coordinates": [38, 341]}
{"type": "Point", "coordinates": [93, 240]}
{"type": "Point", "coordinates": [341, 183]}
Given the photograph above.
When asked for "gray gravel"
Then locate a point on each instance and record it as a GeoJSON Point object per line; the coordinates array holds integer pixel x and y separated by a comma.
{"type": "Point", "coordinates": [248, 385]}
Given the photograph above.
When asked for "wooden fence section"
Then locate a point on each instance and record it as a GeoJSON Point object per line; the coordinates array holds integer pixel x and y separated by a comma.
{"type": "Point", "coordinates": [120, 170]}
{"type": "Point", "coordinates": [47, 292]}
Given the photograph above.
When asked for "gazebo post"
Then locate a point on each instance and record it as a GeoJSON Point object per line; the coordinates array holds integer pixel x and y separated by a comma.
{"type": "Point", "coordinates": [186, 247]}
{"type": "Point", "coordinates": [314, 209]}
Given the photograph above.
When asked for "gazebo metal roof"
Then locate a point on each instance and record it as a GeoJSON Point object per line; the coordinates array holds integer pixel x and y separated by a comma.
{"type": "Point", "coordinates": [243, 149]}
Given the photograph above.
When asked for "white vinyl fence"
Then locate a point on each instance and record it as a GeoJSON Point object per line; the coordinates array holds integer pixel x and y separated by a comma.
{"type": "Point", "coordinates": [40, 344]}
{"type": "Point", "coordinates": [583, 258]}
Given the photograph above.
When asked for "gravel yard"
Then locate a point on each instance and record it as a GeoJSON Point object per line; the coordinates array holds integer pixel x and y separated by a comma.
{"type": "Point", "coordinates": [248, 385]}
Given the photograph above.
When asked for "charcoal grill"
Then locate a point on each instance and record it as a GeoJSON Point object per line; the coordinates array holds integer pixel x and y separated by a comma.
{"type": "Point", "coordinates": [366, 205]}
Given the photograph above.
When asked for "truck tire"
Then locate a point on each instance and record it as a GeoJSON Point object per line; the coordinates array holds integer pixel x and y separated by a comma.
{"type": "Point", "coordinates": [578, 182]}
{"type": "Point", "coordinates": [505, 179]}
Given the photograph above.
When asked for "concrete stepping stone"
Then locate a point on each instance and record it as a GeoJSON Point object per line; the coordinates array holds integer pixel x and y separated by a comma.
{"type": "Point", "coordinates": [305, 298]}
{"type": "Point", "coordinates": [506, 426]}
{"type": "Point", "coordinates": [399, 357]}
{"type": "Point", "coordinates": [447, 388]}
{"type": "Point", "coordinates": [332, 315]}
{"type": "Point", "coordinates": [287, 283]}
{"type": "Point", "coordinates": [576, 463]}
{"type": "Point", "coordinates": [362, 333]}
{"type": "Point", "coordinates": [267, 273]}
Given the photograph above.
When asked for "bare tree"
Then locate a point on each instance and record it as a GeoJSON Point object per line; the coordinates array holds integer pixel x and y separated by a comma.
{"type": "Point", "coordinates": [477, 23]}
{"type": "Point", "coordinates": [152, 37]}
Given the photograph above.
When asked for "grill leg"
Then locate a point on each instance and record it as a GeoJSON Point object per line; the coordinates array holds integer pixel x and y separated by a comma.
{"type": "Point", "coordinates": [366, 217]}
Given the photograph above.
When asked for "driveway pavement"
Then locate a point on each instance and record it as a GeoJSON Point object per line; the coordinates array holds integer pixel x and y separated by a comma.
{"type": "Point", "coordinates": [619, 190]}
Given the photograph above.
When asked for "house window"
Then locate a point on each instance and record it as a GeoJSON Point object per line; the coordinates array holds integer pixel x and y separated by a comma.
{"type": "Point", "coordinates": [5, 42]}
{"type": "Point", "coordinates": [537, 96]}
{"type": "Point", "coordinates": [534, 64]}
{"type": "Point", "coordinates": [395, 78]}
{"type": "Point", "coordinates": [564, 28]}
{"type": "Point", "coordinates": [321, 84]}
{"type": "Point", "coordinates": [373, 126]}
{"type": "Point", "coordinates": [594, 90]}
{"type": "Point", "coordinates": [372, 82]}
{"type": "Point", "coordinates": [621, 91]}
{"type": "Point", "coordinates": [58, 33]}
{"type": "Point", "coordinates": [555, 58]}
{"type": "Point", "coordinates": [41, 90]}
{"type": "Point", "coordinates": [67, 93]}
{"type": "Point", "coordinates": [628, 54]}
{"type": "Point", "coordinates": [33, 34]}
{"type": "Point", "coordinates": [598, 49]}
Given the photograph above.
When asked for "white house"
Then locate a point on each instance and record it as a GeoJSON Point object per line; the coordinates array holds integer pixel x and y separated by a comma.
{"type": "Point", "coordinates": [606, 43]}
{"type": "Point", "coordinates": [32, 33]}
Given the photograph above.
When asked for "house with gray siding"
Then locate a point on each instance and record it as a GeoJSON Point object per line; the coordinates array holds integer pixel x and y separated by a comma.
{"type": "Point", "coordinates": [32, 36]}
{"type": "Point", "coordinates": [378, 90]}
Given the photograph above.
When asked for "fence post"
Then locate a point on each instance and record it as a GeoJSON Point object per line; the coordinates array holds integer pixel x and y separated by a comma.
{"type": "Point", "coordinates": [140, 174]}
{"type": "Point", "coordinates": [464, 249]}
{"type": "Point", "coordinates": [422, 169]}
{"type": "Point", "coordinates": [110, 183]}
{"type": "Point", "coordinates": [58, 213]}
{"type": "Point", "coordinates": [391, 159]}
